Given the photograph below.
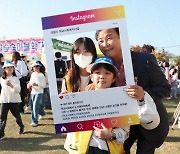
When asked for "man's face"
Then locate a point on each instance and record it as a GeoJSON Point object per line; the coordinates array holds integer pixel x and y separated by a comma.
{"type": "Point", "coordinates": [109, 43]}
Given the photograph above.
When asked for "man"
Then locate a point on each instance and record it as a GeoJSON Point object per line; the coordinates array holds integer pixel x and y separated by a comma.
{"type": "Point", "coordinates": [60, 68]}
{"type": "Point", "coordinates": [150, 79]}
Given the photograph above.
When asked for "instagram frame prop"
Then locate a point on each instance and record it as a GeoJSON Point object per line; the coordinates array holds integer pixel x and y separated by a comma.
{"type": "Point", "coordinates": [81, 111]}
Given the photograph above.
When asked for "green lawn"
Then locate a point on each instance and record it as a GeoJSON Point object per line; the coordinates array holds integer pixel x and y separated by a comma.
{"type": "Point", "coordinates": [43, 140]}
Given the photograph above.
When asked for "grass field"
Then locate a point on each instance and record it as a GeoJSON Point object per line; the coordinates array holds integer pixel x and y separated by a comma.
{"type": "Point", "coordinates": [43, 140]}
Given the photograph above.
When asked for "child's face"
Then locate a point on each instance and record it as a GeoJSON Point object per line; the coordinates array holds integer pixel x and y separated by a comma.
{"type": "Point", "coordinates": [102, 78]}
{"type": "Point", "coordinates": [9, 70]}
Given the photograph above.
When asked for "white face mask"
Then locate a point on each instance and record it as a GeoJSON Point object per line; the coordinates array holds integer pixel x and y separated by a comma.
{"type": "Point", "coordinates": [82, 61]}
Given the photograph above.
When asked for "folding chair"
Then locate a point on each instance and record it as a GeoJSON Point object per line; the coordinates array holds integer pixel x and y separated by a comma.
{"type": "Point", "coordinates": [175, 115]}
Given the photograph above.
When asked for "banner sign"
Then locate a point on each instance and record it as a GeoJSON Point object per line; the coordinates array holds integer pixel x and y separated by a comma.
{"type": "Point", "coordinates": [61, 45]}
{"type": "Point", "coordinates": [33, 45]}
{"type": "Point", "coordinates": [81, 111]}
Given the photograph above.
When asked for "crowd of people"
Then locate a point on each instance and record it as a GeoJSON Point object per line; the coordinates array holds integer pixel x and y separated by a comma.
{"type": "Point", "coordinates": [87, 72]}
{"type": "Point", "coordinates": [172, 72]}
{"type": "Point", "coordinates": [22, 86]}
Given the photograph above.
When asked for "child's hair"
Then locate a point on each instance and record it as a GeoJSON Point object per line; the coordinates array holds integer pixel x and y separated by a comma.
{"type": "Point", "coordinates": [75, 72]}
{"type": "Point", "coordinates": [108, 68]}
{"type": "Point", "coordinates": [4, 74]}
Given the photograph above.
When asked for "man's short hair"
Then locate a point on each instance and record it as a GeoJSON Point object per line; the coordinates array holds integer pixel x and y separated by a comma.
{"type": "Point", "coordinates": [98, 31]}
{"type": "Point", "coordinates": [148, 48]}
{"type": "Point", "coordinates": [58, 55]}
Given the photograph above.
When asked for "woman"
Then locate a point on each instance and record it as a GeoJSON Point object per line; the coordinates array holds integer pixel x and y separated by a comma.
{"type": "Point", "coordinates": [37, 84]}
{"type": "Point", "coordinates": [83, 53]}
{"type": "Point", "coordinates": [10, 97]}
{"type": "Point", "coordinates": [21, 72]}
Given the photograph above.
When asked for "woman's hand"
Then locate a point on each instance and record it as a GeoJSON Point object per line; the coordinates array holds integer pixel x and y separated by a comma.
{"type": "Point", "coordinates": [34, 84]}
{"type": "Point", "coordinates": [8, 83]}
{"type": "Point", "coordinates": [103, 133]}
{"type": "Point", "coordinates": [136, 92]}
{"type": "Point", "coordinates": [63, 92]}
{"type": "Point", "coordinates": [90, 87]}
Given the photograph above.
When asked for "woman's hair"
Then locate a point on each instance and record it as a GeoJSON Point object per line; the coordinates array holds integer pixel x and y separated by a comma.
{"type": "Point", "coordinates": [75, 79]}
{"type": "Point", "coordinates": [15, 57]}
{"type": "Point", "coordinates": [4, 74]}
{"type": "Point", "coordinates": [106, 67]}
{"type": "Point", "coordinates": [1, 56]}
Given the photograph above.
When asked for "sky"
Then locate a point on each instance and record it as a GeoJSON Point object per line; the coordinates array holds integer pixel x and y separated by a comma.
{"type": "Point", "coordinates": [154, 22]}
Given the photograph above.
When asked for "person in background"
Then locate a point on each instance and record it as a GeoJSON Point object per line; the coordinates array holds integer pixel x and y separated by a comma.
{"type": "Point", "coordinates": [10, 97]}
{"type": "Point", "coordinates": [1, 66]}
{"type": "Point", "coordinates": [174, 83]}
{"type": "Point", "coordinates": [60, 69]}
{"type": "Point", "coordinates": [150, 81]}
{"type": "Point", "coordinates": [37, 84]}
{"type": "Point", "coordinates": [148, 49]}
{"type": "Point", "coordinates": [1, 63]}
{"type": "Point", "coordinates": [46, 95]}
{"type": "Point", "coordinates": [26, 78]}
{"type": "Point", "coordinates": [151, 50]}
{"type": "Point", "coordinates": [21, 72]}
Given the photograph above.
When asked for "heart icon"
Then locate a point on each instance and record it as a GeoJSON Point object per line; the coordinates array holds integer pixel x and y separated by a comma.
{"type": "Point", "coordinates": [114, 121]}
{"type": "Point", "coordinates": [61, 97]}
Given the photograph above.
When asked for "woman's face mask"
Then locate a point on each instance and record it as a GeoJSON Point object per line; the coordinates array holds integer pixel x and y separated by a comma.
{"type": "Point", "coordinates": [82, 61]}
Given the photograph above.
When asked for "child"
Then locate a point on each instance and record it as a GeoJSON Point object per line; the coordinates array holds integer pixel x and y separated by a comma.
{"type": "Point", "coordinates": [10, 97]}
{"type": "Point", "coordinates": [104, 141]}
{"type": "Point", "coordinates": [37, 83]}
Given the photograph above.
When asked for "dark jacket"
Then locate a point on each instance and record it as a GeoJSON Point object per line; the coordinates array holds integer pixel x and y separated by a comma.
{"type": "Point", "coordinates": [60, 68]}
{"type": "Point", "coordinates": [153, 81]}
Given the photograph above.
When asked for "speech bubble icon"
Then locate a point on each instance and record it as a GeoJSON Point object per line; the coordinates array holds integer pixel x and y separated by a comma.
{"type": "Point", "coordinates": [114, 121]}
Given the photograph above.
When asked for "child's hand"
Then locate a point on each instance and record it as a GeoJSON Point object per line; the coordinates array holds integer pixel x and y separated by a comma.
{"type": "Point", "coordinates": [103, 133]}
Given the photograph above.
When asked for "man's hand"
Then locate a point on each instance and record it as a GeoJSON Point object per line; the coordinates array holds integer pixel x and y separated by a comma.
{"type": "Point", "coordinates": [136, 92]}
{"type": "Point", "coordinates": [103, 133]}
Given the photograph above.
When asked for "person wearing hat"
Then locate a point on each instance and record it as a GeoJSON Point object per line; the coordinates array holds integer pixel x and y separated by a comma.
{"type": "Point", "coordinates": [101, 140]}
{"type": "Point", "coordinates": [150, 81]}
{"type": "Point", "coordinates": [37, 84]}
{"type": "Point", "coordinates": [10, 97]}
